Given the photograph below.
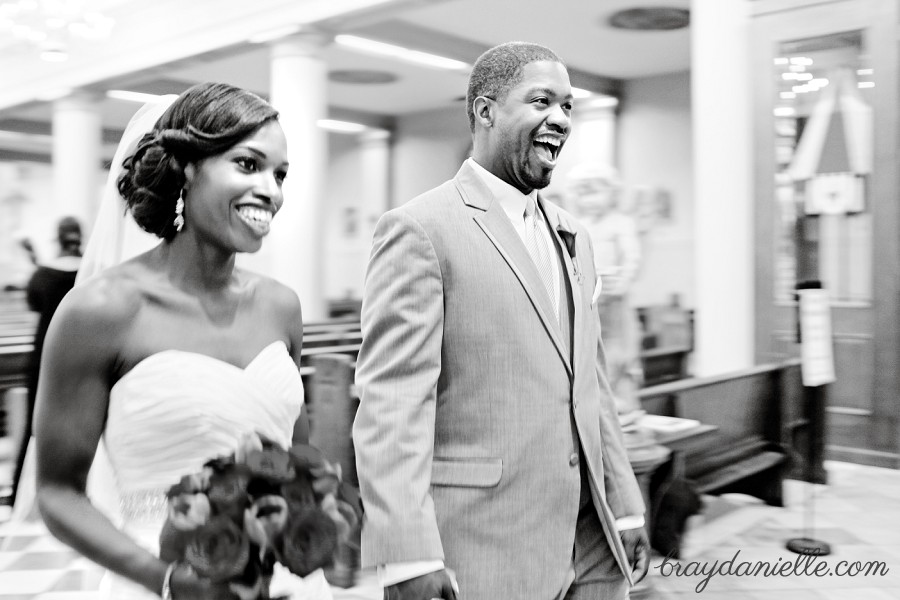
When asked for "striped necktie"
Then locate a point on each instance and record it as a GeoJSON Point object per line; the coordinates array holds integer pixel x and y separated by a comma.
{"type": "Point", "coordinates": [540, 254]}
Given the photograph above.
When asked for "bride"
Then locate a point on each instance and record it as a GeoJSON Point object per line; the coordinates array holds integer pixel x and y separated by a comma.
{"type": "Point", "coordinates": [163, 360]}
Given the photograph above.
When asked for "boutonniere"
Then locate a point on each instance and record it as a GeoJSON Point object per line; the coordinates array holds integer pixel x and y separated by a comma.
{"type": "Point", "coordinates": [568, 238]}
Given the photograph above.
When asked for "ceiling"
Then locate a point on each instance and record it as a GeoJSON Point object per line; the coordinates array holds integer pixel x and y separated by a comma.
{"type": "Point", "coordinates": [599, 57]}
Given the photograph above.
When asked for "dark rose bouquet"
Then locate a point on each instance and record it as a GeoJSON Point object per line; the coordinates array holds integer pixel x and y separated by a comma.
{"type": "Point", "coordinates": [263, 505]}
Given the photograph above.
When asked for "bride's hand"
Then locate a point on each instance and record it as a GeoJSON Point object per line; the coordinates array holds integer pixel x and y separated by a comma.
{"type": "Point", "coordinates": [187, 585]}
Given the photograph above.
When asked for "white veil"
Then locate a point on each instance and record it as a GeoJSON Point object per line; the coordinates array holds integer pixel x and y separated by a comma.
{"type": "Point", "coordinates": [114, 238]}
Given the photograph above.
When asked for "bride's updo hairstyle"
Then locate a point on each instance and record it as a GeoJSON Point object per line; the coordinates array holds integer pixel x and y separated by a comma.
{"type": "Point", "coordinates": [206, 120]}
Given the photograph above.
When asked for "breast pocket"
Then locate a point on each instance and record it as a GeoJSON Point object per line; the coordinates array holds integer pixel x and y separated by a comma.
{"type": "Point", "coordinates": [466, 472]}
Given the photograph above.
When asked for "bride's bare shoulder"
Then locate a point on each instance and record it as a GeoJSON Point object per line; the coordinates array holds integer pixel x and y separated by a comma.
{"type": "Point", "coordinates": [113, 296]}
{"type": "Point", "coordinates": [275, 294]}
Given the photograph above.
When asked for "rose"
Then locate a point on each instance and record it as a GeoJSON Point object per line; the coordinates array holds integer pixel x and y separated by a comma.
{"type": "Point", "coordinates": [253, 583]}
{"type": "Point", "coordinates": [309, 541]}
{"type": "Point", "coordinates": [191, 484]}
{"type": "Point", "coordinates": [271, 514]}
{"type": "Point", "coordinates": [326, 478]}
{"type": "Point", "coordinates": [255, 533]}
{"type": "Point", "coordinates": [228, 492]}
{"type": "Point", "coordinates": [329, 506]}
{"type": "Point", "coordinates": [219, 550]}
{"type": "Point", "coordinates": [306, 458]}
{"type": "Point", "coordinates": [298, 493]}
{"type": "Point", "coordinates": [219, 464]}
{"type": "Point", "coordinates": [187, 512]}
{"type": "Point", "coordinates": [271, 464]}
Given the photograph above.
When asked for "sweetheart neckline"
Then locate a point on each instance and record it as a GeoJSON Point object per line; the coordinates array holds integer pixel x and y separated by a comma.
{"type": "Point", "coordinates": [203, 356]}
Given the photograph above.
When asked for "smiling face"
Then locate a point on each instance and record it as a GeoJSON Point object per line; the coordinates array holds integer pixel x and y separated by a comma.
{"type": "Point", "coordinates": [231, 198]}
{"type": "Point", "coordinates": [528, 128]}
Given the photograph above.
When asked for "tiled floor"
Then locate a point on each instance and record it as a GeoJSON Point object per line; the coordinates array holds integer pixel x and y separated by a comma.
{"type": "Point", "coordinates": [857, 513]}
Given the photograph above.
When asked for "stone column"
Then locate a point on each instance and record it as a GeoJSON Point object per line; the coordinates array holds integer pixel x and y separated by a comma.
{"type": "Point", "coordinates": [293, 253]}
{"type": "Point", "coordinates": [375, 158]}
{"type": "Point", "coordinates": [76, 157]}
{"type": "Point", "coordinates": [723, 174]}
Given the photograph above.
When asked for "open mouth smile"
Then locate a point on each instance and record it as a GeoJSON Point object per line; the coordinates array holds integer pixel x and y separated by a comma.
{"type": "Point", "coordinates": [548, 147]}
{"type": "Point", "coordinates": [258, 219]}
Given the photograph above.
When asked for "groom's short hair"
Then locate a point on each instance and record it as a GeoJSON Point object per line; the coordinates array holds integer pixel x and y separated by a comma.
{"type": "Point", "coordinates": [500, 69]}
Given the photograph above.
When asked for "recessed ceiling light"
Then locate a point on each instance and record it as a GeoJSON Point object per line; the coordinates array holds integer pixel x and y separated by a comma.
{"type": "Point", "coordinates": [54, 55]}
{"type": "Point", "coordinates": [273, 34]}
{"type": "Point", "coordinates": [650, 18]}
{"type": "Point", "coordinates": [415, 56]}
{"type": "Point", "coordinates": [361, 76]}
{"type": "Point", "coordinates": [53, 94]}
{"type": "Point", "coordinates": [132, 96]}
{"type": "Point", "coordinates": [341, 126]}
{"type": "Point", "coordinates": [580, 93]}
{"type": "Point", "coordinates": [603, 101]}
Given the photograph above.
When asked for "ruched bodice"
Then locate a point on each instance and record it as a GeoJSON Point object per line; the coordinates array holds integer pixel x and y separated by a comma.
{"type": "Point", "coordinates": [175, 410]}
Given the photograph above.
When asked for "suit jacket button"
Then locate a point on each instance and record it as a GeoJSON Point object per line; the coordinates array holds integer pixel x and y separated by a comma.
{"type": "Point", "coordinates": [573, 459]}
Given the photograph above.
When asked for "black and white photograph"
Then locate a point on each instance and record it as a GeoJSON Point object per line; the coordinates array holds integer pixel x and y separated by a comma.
{"type": "Point", "coordinates": [449, 300]}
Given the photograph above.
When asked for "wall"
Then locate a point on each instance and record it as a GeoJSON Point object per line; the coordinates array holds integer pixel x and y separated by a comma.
{"type": "Point", "coordinates": [356, 195]}
{"type": "Point", "coordinates": [343, 273]}
{"type": "Point", "coordinates": [428, 149]}
{"type": "Point", "coordinates": [655, 162]}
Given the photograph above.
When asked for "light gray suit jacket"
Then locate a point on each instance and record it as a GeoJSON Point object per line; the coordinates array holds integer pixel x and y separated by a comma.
{"type": "Point", "coordinates": [471, 405]}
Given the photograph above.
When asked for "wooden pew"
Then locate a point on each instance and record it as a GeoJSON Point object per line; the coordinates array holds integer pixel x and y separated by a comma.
{"type": "Point", "coordinates": [746, 447]}
{"type": "Point", "coordinates": [335, 336]}
{"type": "Point", "coordinates": [664, 364]}
{"type": "Point", "coordinates": [17, 325]}
{"type": "Point", "coordinates": [667, 342]}
{"type": "Point", "coordinates": [342, 337]}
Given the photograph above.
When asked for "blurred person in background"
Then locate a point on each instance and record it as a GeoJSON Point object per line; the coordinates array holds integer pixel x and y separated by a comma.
{"type": "Point", "coordinates": [596, 192]}
{"type": "Point", "coordinates": [49, 283]}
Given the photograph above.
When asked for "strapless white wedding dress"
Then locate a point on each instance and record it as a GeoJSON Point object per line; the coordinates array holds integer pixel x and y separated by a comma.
{"type": "Point", "coordinates": [169, 415]}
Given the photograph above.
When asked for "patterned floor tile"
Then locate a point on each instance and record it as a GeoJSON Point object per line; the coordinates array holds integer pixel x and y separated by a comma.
{"type": "Point", "coordinates": [79, 580]}
{"type": "Point", "coordinates": [19, 543]}
{"type": "Point", "coordinates": [27, 582]}
{"type": "Point", "coordinates": [39, 561]}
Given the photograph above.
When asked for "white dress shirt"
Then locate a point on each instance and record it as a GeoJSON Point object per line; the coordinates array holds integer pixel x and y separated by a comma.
{"type": "Point", "coordinates": [513, 203]}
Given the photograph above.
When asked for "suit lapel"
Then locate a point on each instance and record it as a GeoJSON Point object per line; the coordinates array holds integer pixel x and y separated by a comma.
{"type": "Point", "coordinates": [565, 232]}
{"type": "Point", "coordinates": [495, 224]}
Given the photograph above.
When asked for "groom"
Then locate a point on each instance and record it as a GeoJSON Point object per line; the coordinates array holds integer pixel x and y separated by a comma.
{"type": "Point", "coordinates": [487, 441]}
